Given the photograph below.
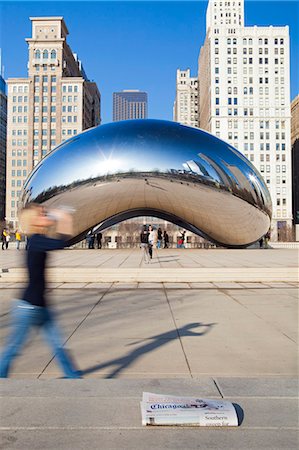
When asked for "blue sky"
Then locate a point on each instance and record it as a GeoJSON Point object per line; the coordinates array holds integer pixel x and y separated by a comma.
{"type": "Point", "coordinates": [135, 45]}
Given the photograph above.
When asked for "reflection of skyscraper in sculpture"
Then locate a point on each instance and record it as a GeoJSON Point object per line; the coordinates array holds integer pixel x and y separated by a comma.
{"type": "Point", "coordinates": [129, 104]}
{"type": "Point", "coordinates": [55, 102]}
{"type": "Point", "coordinates": [244, 96]}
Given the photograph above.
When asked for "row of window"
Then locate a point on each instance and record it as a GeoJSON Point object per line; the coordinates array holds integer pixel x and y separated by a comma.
{"type": "Point", "coordinates": [20, 89]}
{"type": "Point", "coordinates": [45, 67]}
{"type": "Point", "coordinates": [44, 99]}
{"type": "Point", "coordinates": [70, 98]}
{"type": "Point", "coordinates": [44, 142]}
{"type": "Point", "coordinates": [70, 88]}
{"type": "Point", "coordinates": [20, 99]}
{"type": "Point", "coordinates": [44, 88]}
{"type": "Point", "coordinates": [19, 132]}
{"type": "Point", "coordinates": [18, 173]}
{"type": "Point", "coordinates": [45, 54]}
{"type": "Point", "coordinates": [19, 142]}
{"type": "Point", "coordinates": [69, 119]}
{"type": "Point", "coordinates": [44, 132]}
{"type": "Point", "coordinates": [70, 108]}
{"type": "Point", "coordinates": [19, 162]}
{"type": "Point", "coordinates": [249, 41]}
{"type": "Point", "coordinates": [19, 152]}
{"type": "Point", "coordinates": [45, 78]}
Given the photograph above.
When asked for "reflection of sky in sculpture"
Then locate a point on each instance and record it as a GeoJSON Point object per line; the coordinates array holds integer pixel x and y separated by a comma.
{"type": "Point", "coordinates": [181, 174]}
{"type": "Point", "coordinates": [136, 146]}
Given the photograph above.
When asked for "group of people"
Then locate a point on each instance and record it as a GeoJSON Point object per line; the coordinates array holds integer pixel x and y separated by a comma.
{"type": "Point", "coordinates": [91, 239]}
{"type": "Point", "coordinates": [149, 238]}
{"type": "Point", "coordinates": [6, 237]}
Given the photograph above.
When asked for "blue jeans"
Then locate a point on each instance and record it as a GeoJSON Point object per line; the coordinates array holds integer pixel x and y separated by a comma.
{"type": "Point", "coordinates": [24, 316]}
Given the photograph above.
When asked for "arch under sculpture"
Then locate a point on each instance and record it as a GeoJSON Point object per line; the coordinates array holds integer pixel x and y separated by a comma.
{"type": "Point", "coordinates": [157, 168]}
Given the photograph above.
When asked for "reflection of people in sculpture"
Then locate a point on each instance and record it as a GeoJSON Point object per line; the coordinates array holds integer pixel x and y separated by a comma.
{"type": "Point", "coordinates": [33, 310]}
{"type": "Point", "coordinates": [144, 244]}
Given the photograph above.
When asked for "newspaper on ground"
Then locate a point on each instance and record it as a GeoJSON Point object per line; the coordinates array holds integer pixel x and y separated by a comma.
{"type": "Point", "coordinates": [159, 409]}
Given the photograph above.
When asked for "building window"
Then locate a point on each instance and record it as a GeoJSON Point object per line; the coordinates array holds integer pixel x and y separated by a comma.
{"type": "Point", "coordinates": [53, 54]}
{"type": "Point", "coordinates": [37, 54]}
{"type": "Point", "coordinates": [45, 54]}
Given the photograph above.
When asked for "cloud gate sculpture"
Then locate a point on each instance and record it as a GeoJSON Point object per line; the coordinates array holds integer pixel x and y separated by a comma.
{"type": "Point", "coordinates": [154, 168]}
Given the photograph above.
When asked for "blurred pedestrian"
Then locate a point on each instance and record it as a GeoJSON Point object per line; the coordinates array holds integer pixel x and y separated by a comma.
{"type": "Point", "coordinates": [32, 310]}
{"type": "Point", "coordinates": [144, 244]}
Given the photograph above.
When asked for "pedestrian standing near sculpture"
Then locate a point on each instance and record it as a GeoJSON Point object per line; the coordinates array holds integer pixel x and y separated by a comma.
{"type": "Point", "coordinates": [151, 240]}
{"type": "Point", "coordinates": [32, 310]}
{"type": "Point", "coordinates": [144, 244]}
{"type": "Point", "coordinates": [159, 238]}
{"type": "Point", "coordinates": [90, 241]}
{"type": "Point", "coordinates": [181, 240]}
{"type": "Point", "coordinates": [3, 239]}
{"type": "Point", "coordinates": [267, 239]}
{"type": "Point", "coordinates": [7, 238]}
{"type": "Point", "coordinates": [99, 240]}
{"type": "Point", "coordinates": [166, 239]}
{"type": "Point", "coordinates": [18, 239]}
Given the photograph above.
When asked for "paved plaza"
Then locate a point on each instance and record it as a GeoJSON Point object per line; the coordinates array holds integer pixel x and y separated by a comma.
{"type": "Point", "coordinates": [232, 340]}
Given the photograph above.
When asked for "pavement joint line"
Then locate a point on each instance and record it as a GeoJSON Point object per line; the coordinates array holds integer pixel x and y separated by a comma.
{"type": "Point", "coordinates": [179, 336]}
{"type": "Point", "coordinates": [218, 387]}
{"type": "Point", "coordinates": [142, 427]}
{"type": "Point", "coordinates": [76, 328]}
{"type": "Point", "coordinates": [137, 397]}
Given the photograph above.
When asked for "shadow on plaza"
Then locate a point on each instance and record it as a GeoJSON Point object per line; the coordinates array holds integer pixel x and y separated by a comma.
{"type": "Point", "coordinates": [117, 365]}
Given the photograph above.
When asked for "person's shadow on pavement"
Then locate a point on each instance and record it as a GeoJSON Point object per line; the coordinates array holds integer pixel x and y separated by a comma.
{"type": "Point", "coordinates": [154, 342]}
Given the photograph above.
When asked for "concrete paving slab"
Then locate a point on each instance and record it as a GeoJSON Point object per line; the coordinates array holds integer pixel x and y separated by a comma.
{"type": "Point", "coordinates": [224, 285]}
{"type": "Point", "coordinates": [258, 387]}
{"type": "Point", "coordinates": [150, 285]}
{"type": "Point", "coordinates": [202, 285]}
{"type": "Point", "coordinates": [72, 285]}
{"type": "Point", "coordinates": [160, 438]}
{"type": "Point", "coordinates": [125, 412]}
{"type": "Point", "coordinates": [98, 285]}
{"type": "Point", "coordinates": [110, 388]}
{"type": "Point", "coordinates": [252, 285]}
{"type": "Point", "coordinates": [124, 285]}
{"type": "Point", "coordinates": [176, 285]}
{"type": "Point", "coordinates": [113, 358]}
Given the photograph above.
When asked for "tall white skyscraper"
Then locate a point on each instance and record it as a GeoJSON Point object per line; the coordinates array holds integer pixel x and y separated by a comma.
{"type": "Point", "coordinates": [186, 103]}
{"type": "Point", "coordinates": [244, 81]}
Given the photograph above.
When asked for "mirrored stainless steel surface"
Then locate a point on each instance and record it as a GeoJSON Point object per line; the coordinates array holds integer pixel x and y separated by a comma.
{"type": "Point", "coordinates": [157, 168]}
